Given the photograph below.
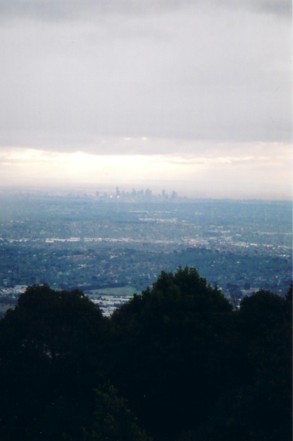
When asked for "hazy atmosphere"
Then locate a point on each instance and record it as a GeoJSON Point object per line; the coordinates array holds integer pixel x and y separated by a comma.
{"type": "Point", "coordinates": [189, 95]}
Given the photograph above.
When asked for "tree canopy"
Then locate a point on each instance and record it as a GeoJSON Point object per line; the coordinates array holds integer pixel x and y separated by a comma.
{"type": "Point", "coordinates": [49, 349]}
{"type": "Point", "coordinates": [175, 363]}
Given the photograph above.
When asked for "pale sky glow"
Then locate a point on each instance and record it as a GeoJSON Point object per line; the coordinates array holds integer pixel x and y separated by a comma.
{"type": "Point", "coordinates": [192, 95]}
{"type": "Point", "coordinates": [258, 171]}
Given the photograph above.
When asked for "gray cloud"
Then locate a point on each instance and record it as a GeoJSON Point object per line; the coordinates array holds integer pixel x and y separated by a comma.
{"type": "Point", "coordinates": [76, 9]}
{"type": "Point", "coordinates": [217, 75]}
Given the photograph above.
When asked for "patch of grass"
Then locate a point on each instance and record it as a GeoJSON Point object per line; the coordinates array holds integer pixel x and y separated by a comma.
{"type": "Point", "coordinates": [119, 291]}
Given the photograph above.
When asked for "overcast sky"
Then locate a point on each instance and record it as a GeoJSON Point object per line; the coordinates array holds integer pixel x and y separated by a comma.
{"type": "Point", "coordinates": [192, 93]}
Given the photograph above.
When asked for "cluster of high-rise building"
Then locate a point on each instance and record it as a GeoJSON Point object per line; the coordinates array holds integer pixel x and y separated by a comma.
{"type": "Point", "coordinates": [137, 195]}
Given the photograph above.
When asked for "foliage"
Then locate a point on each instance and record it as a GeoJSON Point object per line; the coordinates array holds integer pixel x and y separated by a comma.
{"type": "Point", "coordinates": [176, 360]}
{"type": "Point", "coordinates": [49, 347]}
{"type": "Point", "coordinates": [113, 420]}
{"type": "Point", "coordinates": [170, 348]}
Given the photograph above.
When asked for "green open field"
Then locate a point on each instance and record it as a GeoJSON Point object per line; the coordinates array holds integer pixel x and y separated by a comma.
{"type": "Point", "coordinates": [119, 291]}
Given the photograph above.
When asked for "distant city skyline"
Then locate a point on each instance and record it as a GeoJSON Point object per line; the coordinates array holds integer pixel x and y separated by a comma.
{"type": "Point", "coordinates": [190, 95]}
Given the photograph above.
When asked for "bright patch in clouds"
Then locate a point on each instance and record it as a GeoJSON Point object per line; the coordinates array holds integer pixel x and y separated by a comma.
{"type": "Point", "coordinates": [261, 171]}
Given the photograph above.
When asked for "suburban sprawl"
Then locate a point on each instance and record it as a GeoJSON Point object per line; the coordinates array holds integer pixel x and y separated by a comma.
{"type": "Point", "coordinates": [113, 244]}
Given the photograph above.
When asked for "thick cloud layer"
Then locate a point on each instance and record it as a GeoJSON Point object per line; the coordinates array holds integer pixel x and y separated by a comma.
{"type": "Point", "coordinates": [104, 76]}
{"type": "Point", "coordinates": [60, 9]}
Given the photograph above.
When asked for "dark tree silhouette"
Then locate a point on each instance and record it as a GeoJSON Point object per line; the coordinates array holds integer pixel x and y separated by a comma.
{"type": "Point", "coordinates": [49, 348]}
{"type": "Point", "coordinates": [170, 347]}
{"type": "Point", "coordinates": [112, 419]}
{"type": "Point", "coordinates": [183, 364]}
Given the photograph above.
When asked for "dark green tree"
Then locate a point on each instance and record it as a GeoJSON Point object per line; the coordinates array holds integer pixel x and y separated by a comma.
{"type": "Point", "coordinates": [49, 364]}
{"type": "Point", "coordinates": [190, 367]}
{"type": "Point", "coordinates": [112, 419]}
{"type": "Point", "coordinates": [170, 347]}
{"type": "Point", "coordinates": [259, 408]}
